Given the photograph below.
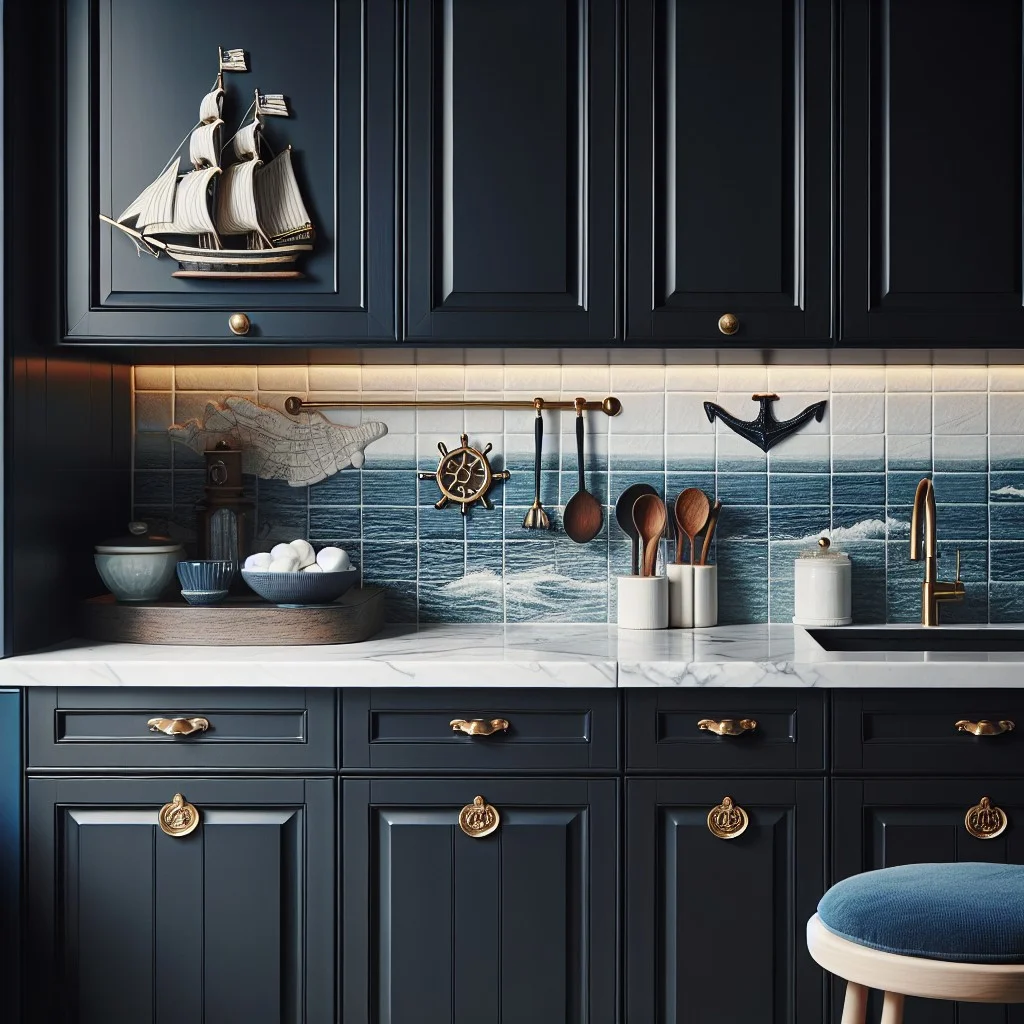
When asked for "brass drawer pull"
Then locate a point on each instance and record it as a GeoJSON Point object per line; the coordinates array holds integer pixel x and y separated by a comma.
{"type": "Point", "coordinates": [727, 820]}
{"type": "Point", "coordinates": [728, 726]}
{"type": "Point", "coordinates": [985, 727]}
{"type": "Point", "coordinates": [178, 726]}
{"type": "Point", "coordinates": [728, 323]}
{"type": "Point", "coordinates": [985, 821]}
{"type": "Point", "coordinates": [239, 323]}
{"type": "Point", "coordinates": [479, 818]}
{"type": "Point", "coordinates": [178, 818]}
{"type": "Point", "coordinates": [478, 727]}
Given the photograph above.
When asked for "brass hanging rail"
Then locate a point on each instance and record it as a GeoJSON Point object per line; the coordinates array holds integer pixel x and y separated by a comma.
{"type": "Point", "coordinates": [610, 406]}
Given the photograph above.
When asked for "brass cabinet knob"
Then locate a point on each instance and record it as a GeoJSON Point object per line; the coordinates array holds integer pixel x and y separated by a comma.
{"type": "Point", "coordinates": [985, 821]}
{"type": "Point", "coordinates": [479, 727]}
{"type": "Point", "coordinates": [178, 726]}
{"type": "Point", "coordinates": [728, 726]}
{"type": "Point", "coordinates": [985, 727]}
{"type": "Point", "coordinates": [178, 818]}
{"type": "Point", "coordinates": [727, 820]}
{"type": "Point", "coordinates": [479, 818]}
{"type": "Point", "coordinates": [728, 323]}
{"type": "Point", "coordinates": [239, 323]}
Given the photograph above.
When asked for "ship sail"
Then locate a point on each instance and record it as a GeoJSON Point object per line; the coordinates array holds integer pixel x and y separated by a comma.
{"type": "Point", "coordinates": [155, 205]}
{"type": "Point", "coordinates": [245, 142]}
{"type": "Point", "coordinates": [191, 206]}
{"type": "Point", "coordinates": [236, 201]}
{"type": "Point", "coordinates": [203, 146]}
{"type": "Point", "coordinates": [278, 200]}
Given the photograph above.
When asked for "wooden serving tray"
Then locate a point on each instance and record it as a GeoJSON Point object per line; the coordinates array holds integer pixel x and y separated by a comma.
{"type": "Point", "coordinates": [236, 622]}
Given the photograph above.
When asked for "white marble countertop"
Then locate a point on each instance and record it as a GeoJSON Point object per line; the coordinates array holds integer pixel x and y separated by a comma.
{"type": "Point", "coordinates": [562, 655]}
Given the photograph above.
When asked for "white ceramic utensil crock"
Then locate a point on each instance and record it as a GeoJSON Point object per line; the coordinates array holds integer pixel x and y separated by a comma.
{"type": "Point", "coordinates": [821, 587]}
{"type": "Point", "coordinates": [643, 602]}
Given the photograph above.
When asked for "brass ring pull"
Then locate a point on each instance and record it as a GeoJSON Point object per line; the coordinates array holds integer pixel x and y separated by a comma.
{"type": "Point", "coordinates": [178, 726]}
{"type": "Point", "coordinates": [728, 726]}
{"type": "Point", "coordinates": [239, 323]}
{"type": "Point", "coordinates": [985, 821]}
{"type": "Point", "coordinates": [728, 323]}
{"type": "Point", "coordinates": [178, 818]}
{"type": "Point", "coordinates": [727, 820]}
{"type": "Point", "coordinates": [479, 818]}
{"type": "Point", "coordinates": [985, 727]}
{"type": "Point", "coordinates": [478, 727]}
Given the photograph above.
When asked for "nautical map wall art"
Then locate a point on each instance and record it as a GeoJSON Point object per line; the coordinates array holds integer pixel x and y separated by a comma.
{"type": "Point", "coordinates": [237, 212]}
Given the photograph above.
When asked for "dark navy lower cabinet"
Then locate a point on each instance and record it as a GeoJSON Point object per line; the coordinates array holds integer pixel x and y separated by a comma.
{"type": "Point", "coordinates": [715, 927]}
{"type": "Point", "coordinates": [233, 922]}
{"type": "Point", "coordinates": [517, 927]}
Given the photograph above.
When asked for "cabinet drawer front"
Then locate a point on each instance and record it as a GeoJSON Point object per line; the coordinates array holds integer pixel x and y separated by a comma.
{"type": "Point", "coordinates": [784, 731]}
{"type": "Point", "coordinates": [80, 727]}
{"type": "Point", "coordinates": [908, 731]}
{"type": "Point", "coordinates": [403, 729]}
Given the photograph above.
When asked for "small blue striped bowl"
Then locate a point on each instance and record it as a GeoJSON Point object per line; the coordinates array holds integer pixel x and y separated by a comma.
{"type": "Point", "coordinates": [207, 581]}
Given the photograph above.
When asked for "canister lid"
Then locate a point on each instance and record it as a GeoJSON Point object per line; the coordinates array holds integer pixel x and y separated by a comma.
{"type": "Point", "coordinates": [137, 539]}
{"type": "Point", "coordinates": [824, 551]}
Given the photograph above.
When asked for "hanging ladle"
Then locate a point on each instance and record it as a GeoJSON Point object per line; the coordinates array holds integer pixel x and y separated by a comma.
{"type": "Point", "coordinates": [536, 518]}
{"type": "Point", "coordinates": [581, 519]}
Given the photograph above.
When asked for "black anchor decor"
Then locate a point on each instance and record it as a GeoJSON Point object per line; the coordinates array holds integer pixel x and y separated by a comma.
{"type": "Point", "coordinates": [766, 431]}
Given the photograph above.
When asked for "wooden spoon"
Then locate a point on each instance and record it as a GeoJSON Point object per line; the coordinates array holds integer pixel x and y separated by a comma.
{"type": "Point", "coordinates": [581, 519]}
{"type": "Point", "coordinates": [650, 518]}
{"type": "Point", "coordinates": [710, 532]}
{"type": "Point", "coordinates": [692, 508]}
{"type": "Point", "coordinates": [624, 517]}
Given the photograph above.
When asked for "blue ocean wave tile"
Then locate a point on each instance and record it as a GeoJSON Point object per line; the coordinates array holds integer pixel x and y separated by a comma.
{"type": "Point", "coordinates": [399, 600]}
{"type": "Point", "coordinates": [518, 489]}
{"type": "Point", "coordinates": [742, 488]}
{"type": "Point", "coordinates": [514, 530]}
{"type": "Point", "coordinates": [343, 488]}
{"type": "Point", "coordinates": [1007, 561]}
{"type": "Point", "coordinates": [803, 523]}
{"type": "Point", "coordinates": [851, 523]}
{"type": "Point", "coordinates": [189, 487]}
{"type": "Point", "coordinates": [901, 487]}
{"type": "Point", "coordinates": [902, 584]}
{"type": "Point", "coordinates": [678, 482]}
{"type": "Point", "coordinates": [798, 489]}
{"type": "Point", "coordinates": [442, 524]}
{"type": "Point", "coordinates": [974, 559]}
{"type": "Point", "coordinates": [620, 479]}
{"type": "Point", "coordinates": [1006, 487]}
{"type": "Point", "coordinates": [405, 460]}
{"type": "Point", "coordinates": [897, 523]}
{"type": "Point", "coordinates": [384, 523]}
{"type": "Point", "coordinates": [858, 489]}
{"type": "Point", "coordinates": [153, 488]}
{"type": "Point", "coordinates": [182, 525]}
{"type": "Point", "coordinates": [475, 597]}
{"type": "Point", "coordinates": [153, 451]}
{"type": "Point", "coordinates": [276, 524]}
{"type": "Point", "coordinates": [484, 556]}
{"type": "Point", "coordinates": [389, 560]}
{"type": "Point", "coordinates": [1006, 603]}
{"type": "Point", "coordinates": [852, 464]}
{"type": "Point", "coordinates": [390, 488]}
{"type": "Point", "coordinates": [483, 523]}
{"type": "Point", "coordinates": [441, 561]}
{"type": "Point", "coordinates": [280, 492]}
{"type": "Point", "coordinates": [743, 522]}
{"type": "Point", "coordinates": [597, 484]}
{"type": "Point", "coordinates": [182, 457]}
{"type": "Point", "coordinates": [742, 582]}
{"type": "Point", "coordinates": [961, 488]}
{"type": "Point", "coordinates": [867, 580]}
{"type": "Point", "coordinates": [962, 522]}
{"type": "Point", "coordinates": [327, 522]}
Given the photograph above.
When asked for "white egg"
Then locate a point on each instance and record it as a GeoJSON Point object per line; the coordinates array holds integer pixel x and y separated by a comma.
{"type": "Point", "coordinates": [333, 560]}
{"type": "Point", "coordinates": [284, 564]}
{"type": "Point", "coordinates": [307, 556]}
{"type": "Point", "coordinates": [312, 568]}
{"type": "Point", "coordinates": [260, 561]}
{"type": "Point", "coordinates": [282, 551]}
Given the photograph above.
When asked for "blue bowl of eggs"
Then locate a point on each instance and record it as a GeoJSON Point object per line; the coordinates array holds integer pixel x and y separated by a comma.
{"type": "Point", "coordinates": [295, 574]}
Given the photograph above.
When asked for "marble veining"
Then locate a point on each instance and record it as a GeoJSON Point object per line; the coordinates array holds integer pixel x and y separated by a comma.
{"type": "Point", "coordinates": [480, 655]}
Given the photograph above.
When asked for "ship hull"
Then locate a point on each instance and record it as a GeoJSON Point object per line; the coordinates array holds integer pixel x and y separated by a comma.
{"type": "Point", "coordinates": [238, 264]}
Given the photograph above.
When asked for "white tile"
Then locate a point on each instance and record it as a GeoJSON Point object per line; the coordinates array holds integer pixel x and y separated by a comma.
{"type": "Point", "coordinates": [334, 378]}
{"type": "Point", "coordinates": [909, 413]}
{"type": "Point", "coordinates": [531, 356]}
{"type": "Point", "coordinates": [441, 357]}
{"type": "Point", "coordinates": [692, 378]}
{"type": "Point", "coordinates": [153, 378]}
{"type": "Point", "coordinates": [1006, 412]}
{"type": "Point", "coordinates": [542, 381]}
{"type": "Point", "coordinates": [439, 378]}
{"type": "Point", "coordinates": [626, 356]}
{"type": "Point", "coordinates": [590, 381]}
{"type": "Point", "coordinates": [523, 444]}
{"type": "Point", "coordinates": [650, 447]}
{"type": "Point", "coordinates": [1004, 447]}
{"type": "Point", "coordinates": [960, 378]}
{"type": "Point", "coordinates": [685, 414]}
{"type": "Point", "coordinates": [374, 357]}
{"type": "Point", "coordinates": [489, 421]}
{"type": "Point", "coordinates": [736, 403]}
{"type": "Point", "coordinates": [294, 379]}
{"type": "Point", "coordinates": [391, 446]}
{"type": "Point", "coordinates": [961, 413]}
{"type": "Point", "coordinates": [798, 378]}
{"type": "Point", "coordinates": [799, 448]}
{"type": "Point", "coordinates": [691, 446]}
{"type": "Point", "coordinates": [274, 399]}
{"type": "Point", "coordinates": [732, 448]}
{"type": "Point", "coordinates": [908, 378]}
{"type": "Point", "coordinates": [900, 447]}
{"type": "Point", "coordinates": [484, 378]}
{"type": "Point", "coordinates": [642, 413]}
{"type": "Point", "coordinates": [743, 378]}
{"type": "Point", "coordinates": [192, 404]}
{"type": "Point", "coordinates": [858, 378]}
{"type": "Point", "coordinates": [857, 446]}
{"type": "Point", "coordinates": [583, 356]}
{"type": "Point", "coordinates": [215, 378]}
{"type": "Point", "coordinates": [349, 415]}
{"type": "Point", "coordinates": [858, 413]}
{"type": "Point", "coordinates": [399, 421]}
{"type": "Point", "coordinates": [951, 447]}
{"type": "Point", "coordinates": [446, 424]}
{"type": "Point", "coordinates": [793, 403]}
{"type": "Point", "coordinates": [637, 378]}
{"type": "Point", "coordinates": [1006, 378]}
{"type": "Point", "coordinates": [154, 410]}
{"type": "Point", "coordinates": [383, 378]}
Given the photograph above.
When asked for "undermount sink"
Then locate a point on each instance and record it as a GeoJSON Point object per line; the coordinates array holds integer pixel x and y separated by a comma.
{"type": "Point", "coordinates": [933, 638]}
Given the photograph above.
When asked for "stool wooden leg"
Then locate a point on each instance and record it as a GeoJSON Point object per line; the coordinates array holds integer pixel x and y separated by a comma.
{"type": "Point", "coordinates": [892, 1008]}
{"type": "Point", "coordinates": [856, 1006]}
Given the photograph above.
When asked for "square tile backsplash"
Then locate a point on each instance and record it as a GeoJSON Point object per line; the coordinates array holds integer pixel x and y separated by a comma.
{"type": "Point", "coordinates": [852, 476]}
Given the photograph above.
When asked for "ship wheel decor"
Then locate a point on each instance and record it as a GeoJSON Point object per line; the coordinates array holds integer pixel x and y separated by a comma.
{"type": "Point", "coordinates": [464, 475]}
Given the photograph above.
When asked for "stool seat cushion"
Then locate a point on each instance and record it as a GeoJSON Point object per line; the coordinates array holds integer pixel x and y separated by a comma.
{"type": "Point", "coordinates": [971, 913]}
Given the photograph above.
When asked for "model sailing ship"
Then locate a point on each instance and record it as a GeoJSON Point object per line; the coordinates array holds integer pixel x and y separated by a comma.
{"type": "Point", "coordinates": [245, 220]}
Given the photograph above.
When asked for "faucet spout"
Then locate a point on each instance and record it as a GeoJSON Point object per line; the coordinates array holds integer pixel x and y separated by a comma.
{"type": "Point", "coordinates": [933, 591]}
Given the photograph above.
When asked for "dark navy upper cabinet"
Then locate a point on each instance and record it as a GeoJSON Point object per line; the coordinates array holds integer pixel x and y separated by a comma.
{"type": "Point", "coordinates": [728, 170]}
{"type": "Point", "coordinates": [137, 72]}
{"type": "Point", "coordinates": [932, 172]}
{"type": "Point", "coordinates": [510, 170]}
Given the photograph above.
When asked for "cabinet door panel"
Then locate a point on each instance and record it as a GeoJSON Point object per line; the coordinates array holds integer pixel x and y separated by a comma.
{"type": "Point", "coordinates": [234, 921]}
{"type": "Point", "coordinates": [516, 927]}
{"type": "Point", "coordinates": [137, 70]}
{"type": "Point", "coordinates": [932, 172]}
{"type": "Point", "coordinates": [510, 152]}
{"type": "Point", "coordinates": [714, 928]}
{"type": "Point", "coordinates": [887, 822]}
{"type": "Point", "coordinates": [728, 169]}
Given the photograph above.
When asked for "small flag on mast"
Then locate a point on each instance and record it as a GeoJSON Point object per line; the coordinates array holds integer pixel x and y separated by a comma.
{"type": "Point", "coordinates": [232, 60]}
{"type": "Point", "coordinates": [272, 104]}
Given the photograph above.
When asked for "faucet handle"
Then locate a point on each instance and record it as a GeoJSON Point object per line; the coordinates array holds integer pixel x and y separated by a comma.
{"type": "Point", "coordinates": [957, 580]}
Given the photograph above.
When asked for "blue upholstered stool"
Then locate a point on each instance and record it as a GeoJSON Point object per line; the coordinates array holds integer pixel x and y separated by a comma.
{"type": "Point", "coordinates": [939, 931]}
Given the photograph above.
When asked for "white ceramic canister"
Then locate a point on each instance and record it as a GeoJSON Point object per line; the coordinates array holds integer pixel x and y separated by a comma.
{"type": "Point", "coordinates": [643, 602]}
{"type": "Point", "coordinates": [821, 587]}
